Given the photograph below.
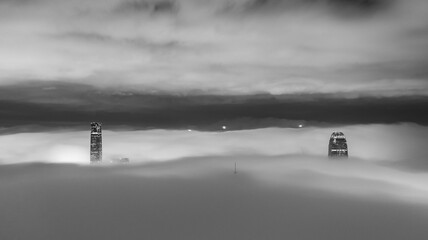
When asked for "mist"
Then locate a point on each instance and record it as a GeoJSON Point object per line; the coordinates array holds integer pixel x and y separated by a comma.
{"type": "Point", "coordinates": [269, 197]}
{"type": "Point", "coordinates": [224, 109]}
{"type": "Point", "coordinates": [182, 185]}
{"type": "Point", "coordinates": [374, 142]}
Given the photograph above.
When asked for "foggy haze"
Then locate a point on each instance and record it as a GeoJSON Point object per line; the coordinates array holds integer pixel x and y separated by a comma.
{"type": "Point", "coordinates": [188, 89]}
{"type": "Point", "coordinates": [270, 197]}
{"type": "Point", "coordinates": [391, 143]}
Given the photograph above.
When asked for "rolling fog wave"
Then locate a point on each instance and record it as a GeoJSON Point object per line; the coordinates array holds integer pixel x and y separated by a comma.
{"type": "Point", "coordinates": [390, 143]}
{"type": "Point", "coordinates": [182, 185]}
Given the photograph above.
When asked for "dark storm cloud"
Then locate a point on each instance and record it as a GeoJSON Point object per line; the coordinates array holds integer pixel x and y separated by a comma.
{"type": "Point", "coordinates": [52, 103]}
{"type": "Point", "coordinates": [342, 7]}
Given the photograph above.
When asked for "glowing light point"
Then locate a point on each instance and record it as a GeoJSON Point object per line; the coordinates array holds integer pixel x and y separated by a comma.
{"type": "Point", "coordinates": [189, 130]}
{"type": "Point", "coordinates": [224, 127]}
{"type": "Point", "coordinates": [300, 125]}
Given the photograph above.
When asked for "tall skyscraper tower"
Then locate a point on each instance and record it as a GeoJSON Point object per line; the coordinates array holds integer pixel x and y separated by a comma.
{"type": "Point", "coordinates": [96, 143]}
{"type": "Point", "coordinates": [337, 146]}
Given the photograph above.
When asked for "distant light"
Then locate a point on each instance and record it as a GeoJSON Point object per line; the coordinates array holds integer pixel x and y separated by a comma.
{"type": "Point", "coordinates": [189, 130]}
{"type": "Point", "coordinates": [224, 127]}
{"type": "Point", "coordinates": [300, 125]}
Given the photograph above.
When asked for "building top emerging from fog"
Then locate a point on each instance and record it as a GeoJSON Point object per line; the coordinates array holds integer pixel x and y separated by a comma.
{"type": "Point", "coordinates": [337, 146]}
{"type": "Point", "coordinates": [96, 143]}
{"type": "Point", "coordinates": [95, 128]}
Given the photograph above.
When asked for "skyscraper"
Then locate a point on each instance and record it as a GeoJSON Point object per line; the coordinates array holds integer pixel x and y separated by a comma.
{"type": "Point", "coordinates": [337, 146]}
{"type": "Point", "coordinates": [96, 143]}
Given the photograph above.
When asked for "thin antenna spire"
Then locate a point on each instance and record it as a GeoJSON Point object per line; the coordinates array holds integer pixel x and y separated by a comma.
{"type": "Point", "coordinates": [235, 172]}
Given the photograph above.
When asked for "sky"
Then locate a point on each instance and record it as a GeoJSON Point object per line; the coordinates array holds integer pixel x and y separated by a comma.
{"type": "Point", "coordinates": [225, 47]}
{"type": "Point", "coordinates": [361, 47]}
{"type": "Point", "coordinates": [165, 76]}
{"type": "Point", "coordinates": [187, 63]}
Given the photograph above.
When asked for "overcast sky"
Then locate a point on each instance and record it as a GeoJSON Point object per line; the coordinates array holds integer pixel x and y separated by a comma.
{"type": "Point", "coordinates": [371, 47]}
{"type": "Point", "coordinates": [281, 75]}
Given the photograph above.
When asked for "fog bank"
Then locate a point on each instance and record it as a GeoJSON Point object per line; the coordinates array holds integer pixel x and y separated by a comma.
{"type": "Point", "coordinates": [269, 198]}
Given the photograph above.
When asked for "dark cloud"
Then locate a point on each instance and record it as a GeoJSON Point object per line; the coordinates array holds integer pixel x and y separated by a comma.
{"type": "Point", "coordinates": [76, 104]}
{"type": "Point", "coordinates": [148, 6]}
{"type": "Point", "coordinates": [361, 5]}
{"type": "Point", "coordinates": [338, 7]}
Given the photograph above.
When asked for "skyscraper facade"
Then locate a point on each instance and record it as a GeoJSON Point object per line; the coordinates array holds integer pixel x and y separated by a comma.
{"type": "Point", "coordinates": [337, 146]}
{"type": "Point", "coordinates": [96, 143]}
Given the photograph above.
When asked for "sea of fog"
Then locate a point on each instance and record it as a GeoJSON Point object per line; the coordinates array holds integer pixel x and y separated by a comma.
{"type": "Point", "coordinates": [182, 185]}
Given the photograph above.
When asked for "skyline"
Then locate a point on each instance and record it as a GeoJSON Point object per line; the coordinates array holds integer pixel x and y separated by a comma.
{"type": "Point", "coordinates": [225, 111]}
{"type": "Point", "coordinates": [398, 146]}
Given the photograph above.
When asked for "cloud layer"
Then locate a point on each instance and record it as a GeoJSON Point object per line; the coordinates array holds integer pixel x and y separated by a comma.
{"type": "Point", "coordinates": [163, 61]}
{"type": "Point", "coordinates": [385, 143]}
{"type": "Point", "coordinates": [372, 47]}
{"type": "Point", "coordinates": [63, 105]}
{"type": "Point", "coordinates": [181, 185]}
{"type": "Point", "coordinates": [291, 197]}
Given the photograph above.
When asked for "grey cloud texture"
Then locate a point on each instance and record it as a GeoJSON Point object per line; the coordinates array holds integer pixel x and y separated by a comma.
{"type": "Point", "coordinates": [384, 144]}
{"type": "Point", "coordinates": [180, 185]}
{"type": "Point", "coordinates": [143, 6]}
{"type": "Point", "coordinates": [275, 198]}
{"type": "Point", "coordinates": [227, 47]}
